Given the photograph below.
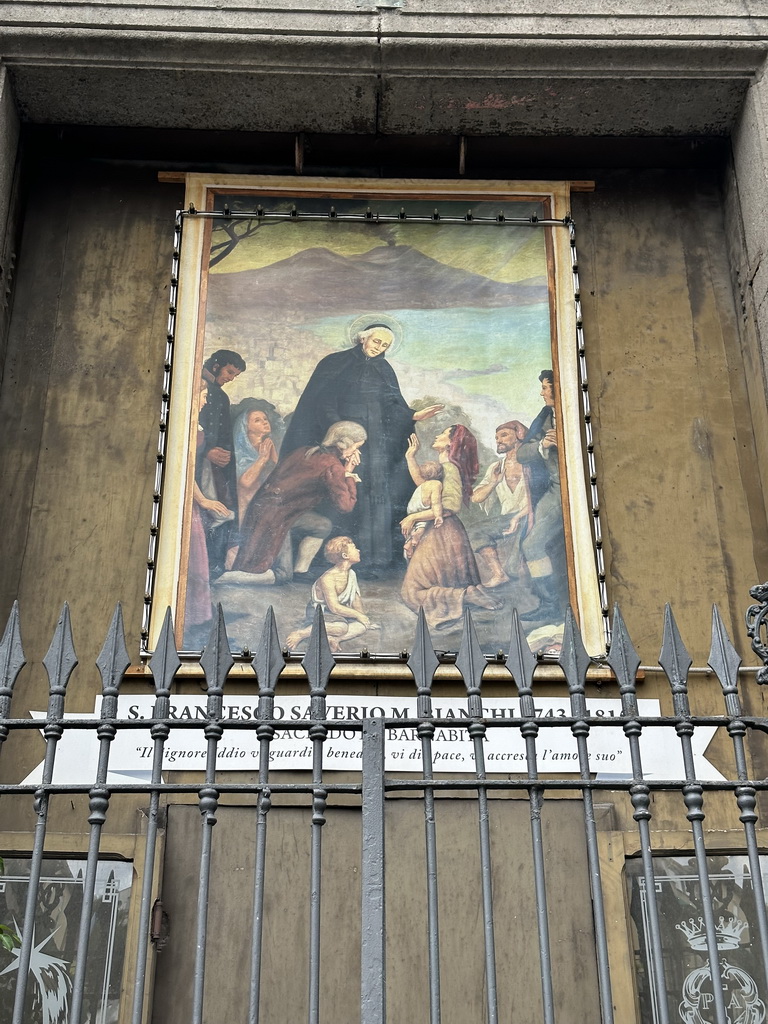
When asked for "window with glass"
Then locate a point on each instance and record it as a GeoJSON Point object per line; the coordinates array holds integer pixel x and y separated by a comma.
{"type": "Point", "coordinates": [687, 969]}
{"type": "Point", "coordinates": [54, 939]}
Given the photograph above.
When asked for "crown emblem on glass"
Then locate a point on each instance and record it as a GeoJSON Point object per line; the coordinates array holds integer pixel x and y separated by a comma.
{"type": "Point", "coordinates": [728, 931]}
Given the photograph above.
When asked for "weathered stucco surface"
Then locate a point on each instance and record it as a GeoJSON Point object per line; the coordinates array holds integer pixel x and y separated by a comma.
{"type": "Point", "coordinates": [581, 70]}
{"type": "Point", "coordinates": [673, 274]}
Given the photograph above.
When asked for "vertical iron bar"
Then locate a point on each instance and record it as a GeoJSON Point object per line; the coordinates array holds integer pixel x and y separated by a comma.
{"type": "Point", "coordinates": [423, 662]}
{"type": "Point", "coordinates": [59, 663]}
{"type": "Point", "coordinates": [676, 662]}
{"type": "Point", "coordinates": [216, 662]}
{"type": "Point", "coordinates": [521, 664]}
{"type": "Point", "coordinates": [164, 665]}
{"type": "Point", "coordinates": [318, 663]}
{"type": "Point", "coordinates": [269, 665]}
{"type": "Point", "coordinates": [624, 661]}
{"type": "Point", "coordinates": [373, 976]}
{"type": "Point", "coordinates": [112, 663]}
{"type": "Point", "coordinates": [471, 663]}
{"type": "Point", "coordinates": [574, 662]}
{"type": "Point", "coordinates": [725, 661]}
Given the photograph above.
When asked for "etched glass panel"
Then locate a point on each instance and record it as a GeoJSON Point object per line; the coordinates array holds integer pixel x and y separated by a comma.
{"type": "Point", "coordinates": [686, 963]}
{"type": "Point", "coordinates": [54, 940]}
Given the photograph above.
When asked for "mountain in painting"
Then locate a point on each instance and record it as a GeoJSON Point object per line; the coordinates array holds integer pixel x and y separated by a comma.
{"type": "Point", "coordinates": [386, 277]}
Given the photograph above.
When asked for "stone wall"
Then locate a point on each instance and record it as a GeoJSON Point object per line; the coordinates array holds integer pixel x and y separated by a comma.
{"type": "Point", "coordinates": [9, 140]}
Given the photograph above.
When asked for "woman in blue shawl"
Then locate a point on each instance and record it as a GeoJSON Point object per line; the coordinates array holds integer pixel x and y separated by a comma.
{"type": "Point", "coordinates": [254, 428]}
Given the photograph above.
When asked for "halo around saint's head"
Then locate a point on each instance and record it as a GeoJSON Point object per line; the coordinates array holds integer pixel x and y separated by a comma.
{"type": "Point", "coordinates": [367, 320]}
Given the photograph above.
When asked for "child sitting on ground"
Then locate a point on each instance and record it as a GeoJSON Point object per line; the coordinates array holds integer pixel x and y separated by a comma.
{"type": "Point", "coordinates": [427, 496]}
{"type": "Point", "coordinates": [338, 594]}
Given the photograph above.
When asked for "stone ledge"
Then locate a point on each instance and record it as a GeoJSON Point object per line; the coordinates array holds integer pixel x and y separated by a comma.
{"type": "Point", "coordinates": [351, 100]}
{"type": "Point", "coordinates": [300, 52]}
{"type": "Point", "coordinates": [577, 23]}
{"type": "Point", "coordinates": [285, 69]}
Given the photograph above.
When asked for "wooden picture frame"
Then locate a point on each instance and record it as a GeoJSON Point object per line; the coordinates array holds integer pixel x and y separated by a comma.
{"type": "Point", "coordinates": [305, 303]}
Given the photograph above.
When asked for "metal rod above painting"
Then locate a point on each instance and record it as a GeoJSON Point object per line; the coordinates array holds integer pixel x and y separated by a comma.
{"type": "Point", "coordinates": [379, 218]}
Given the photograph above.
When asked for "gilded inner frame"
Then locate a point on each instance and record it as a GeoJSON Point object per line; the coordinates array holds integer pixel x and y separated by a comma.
{"type": "Point", "coordinates": [375, 408]}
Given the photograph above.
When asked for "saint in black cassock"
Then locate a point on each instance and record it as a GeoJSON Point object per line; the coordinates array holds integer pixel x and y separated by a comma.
{"type": "Point", "coordinates": [350, 385]}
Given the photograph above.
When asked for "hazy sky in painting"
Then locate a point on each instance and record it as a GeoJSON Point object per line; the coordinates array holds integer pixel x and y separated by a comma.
{"type": "Point", "coordinates": [477, 249]}
{"type": "Point", "coordinates": [482, 358]}
{"type": "Point", "coordinates": [485, 360]}
{"type": "Point", "coordinates": [474, 248]}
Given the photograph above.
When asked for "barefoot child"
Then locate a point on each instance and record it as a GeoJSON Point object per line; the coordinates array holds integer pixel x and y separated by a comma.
{"type": "Point", "coordinates": [338, 594]}
{"type": "Point", "coordinates": [428, 497]}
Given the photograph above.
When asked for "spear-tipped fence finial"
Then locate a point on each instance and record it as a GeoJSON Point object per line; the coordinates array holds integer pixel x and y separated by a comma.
{"type": "Point", "coordinates": [165, 662]}
{"type": "Point", "coordinates": [61, 659]}
{"type": "Point", "coordinates": [573, 659]}
{"type": "Point", "coordinates": [12, 659]}
{"type": "Point", "coordinates": [216, 660]}
{"type": "Point", "coordinates": [676, 661]}
{"type": "Point", "coordinates": [724, 659]}
{"type": "Point", "coordinates": [521, 661]}
{"type": "Point", "coordinates": [471, 662]}
{"type": "Point", "coordinates": [423, 663]}
{"type": "Point", "coordinates": [625, 661]}
{"type": "Point", "coordinates": [112, 662]}
{"type": "Point", "coordinates": [269, 661]}
{"type": "Point", "coordinates": [318, 662]}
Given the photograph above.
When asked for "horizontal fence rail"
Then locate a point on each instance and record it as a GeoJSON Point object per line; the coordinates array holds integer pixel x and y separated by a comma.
{"type": "Point", "coordinates": [479, 750]}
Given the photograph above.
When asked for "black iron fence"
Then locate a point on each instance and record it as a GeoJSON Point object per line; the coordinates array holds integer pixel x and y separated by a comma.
{"type": "Point", "coordinates": [527, 749]}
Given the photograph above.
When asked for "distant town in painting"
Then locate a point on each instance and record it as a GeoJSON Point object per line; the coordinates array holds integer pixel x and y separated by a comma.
{"type": "Point", "coordinates": [377, 429]}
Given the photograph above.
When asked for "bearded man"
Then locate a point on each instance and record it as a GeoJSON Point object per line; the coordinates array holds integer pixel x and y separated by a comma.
{"type": "Point", "coordinates": [504, 495]}
{"type": "Point", "coordinates": [310, 476]}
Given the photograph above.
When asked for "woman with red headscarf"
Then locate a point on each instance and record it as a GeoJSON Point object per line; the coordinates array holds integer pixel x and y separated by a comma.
{"type": "Point", "coordinates": [442, 575]}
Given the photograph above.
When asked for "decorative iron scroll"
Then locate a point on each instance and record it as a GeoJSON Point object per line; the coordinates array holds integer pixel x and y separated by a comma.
{"type": "Point", "coordinates": [757, 627]}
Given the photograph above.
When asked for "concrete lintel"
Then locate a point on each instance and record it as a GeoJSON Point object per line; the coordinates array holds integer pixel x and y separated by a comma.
{"type": "Point", "coordinates": [418, 69]}
{"type": "Point", "coordinates": [588, 58]}
{"type": "Point", "coordinates": [192, 51]}
{"type": "Point", "coordinates": [309, 45]}
{"type": "Point", "coordinates": [560, 106]}
{"type": "Point", "coordinates": [565, 20]}
{"type": "Point", "coordinates": [602, 22]}
{"type": "Point", "coordinates": [327, 102]}
{"type": "Point", "coordinates": [355, 86]}
{"type": "Point", "coordinates": [218, 100]}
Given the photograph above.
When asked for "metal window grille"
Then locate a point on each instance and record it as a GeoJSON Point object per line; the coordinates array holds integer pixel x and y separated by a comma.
{"type": "Point", "coordinates": [713, 923]}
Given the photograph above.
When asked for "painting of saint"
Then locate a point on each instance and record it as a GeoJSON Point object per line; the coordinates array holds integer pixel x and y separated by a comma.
{"type": "Point", "coordinates": [358, 383]}
{"type": "Point", "coordinates": [392, 437]}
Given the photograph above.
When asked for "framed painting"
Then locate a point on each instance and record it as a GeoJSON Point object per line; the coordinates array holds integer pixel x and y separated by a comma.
{"type": "Point", "coordinates": [375, 408]}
